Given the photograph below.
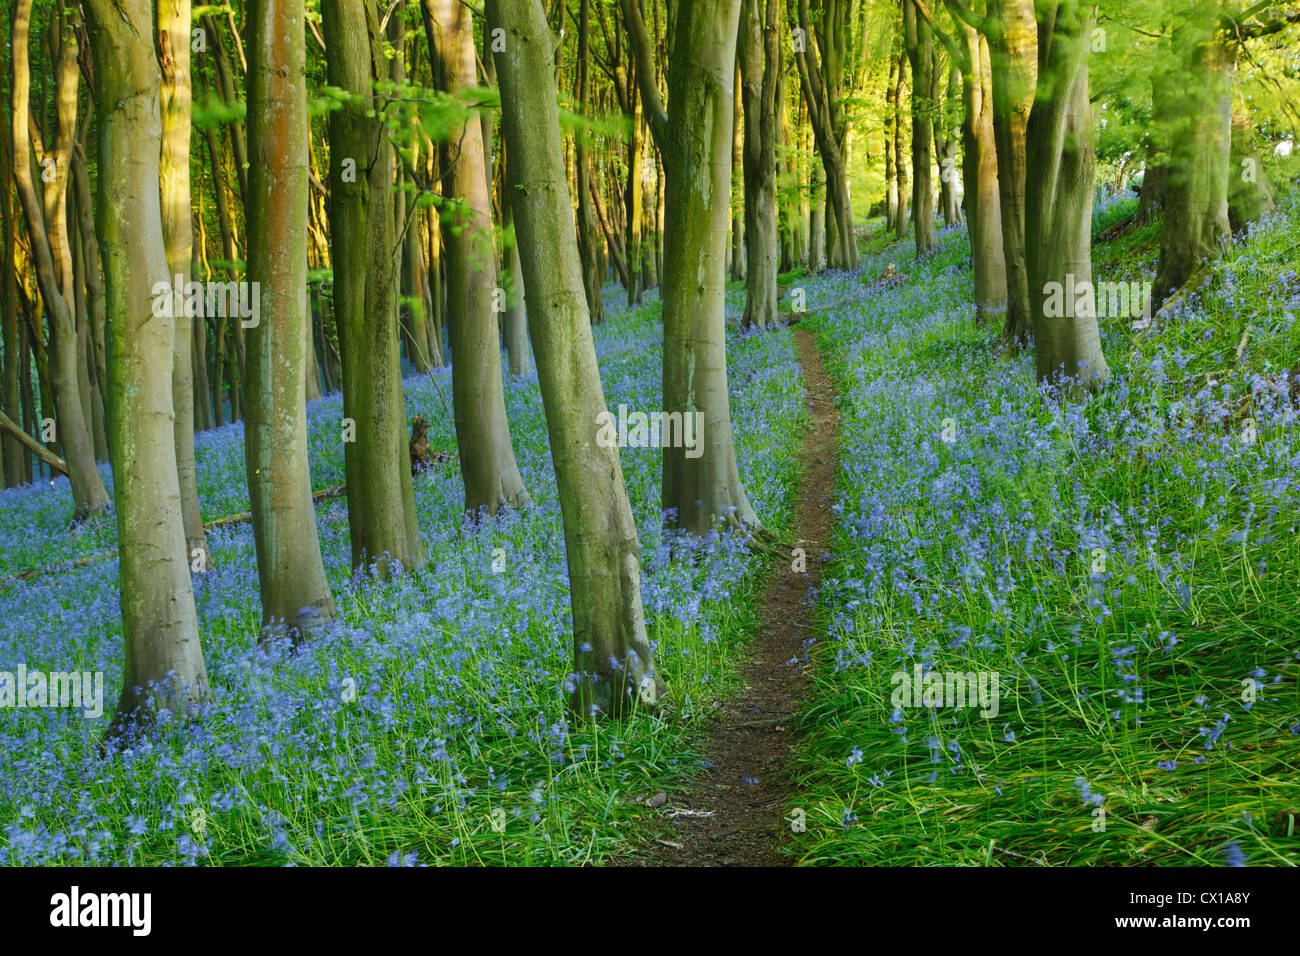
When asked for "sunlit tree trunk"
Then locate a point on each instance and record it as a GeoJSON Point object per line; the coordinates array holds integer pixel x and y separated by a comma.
{"type": "Point", "coordinates": [821, 77]}
{"type": "Point", "coordinates": [178, 240]}
{"type": "Point", "coordinates": [487, 459]}
{"type": "Point", "coordinates": [290, 571]}
{"type": "Point", "coordinates": [51, 252]}
{"type": "Point", "coordinates": [1193, 97]}
{"type": "Point", "coordinates": [695, 140]}
{"type": "Point", "coordinates": [164, 660]}
{"type": "Point", "coordinates": [612, 658]}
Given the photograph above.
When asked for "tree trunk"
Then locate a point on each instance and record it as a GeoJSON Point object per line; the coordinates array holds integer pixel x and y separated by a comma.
{"type": "Point", "coordinates": [703, 489]}
{"type": "Point", "coordinates": [178, 240]}
{"type": "Point", "coordinates": [290, 571]}
{"type": "Point", "coordinates": [381, 502]}
{"type": "Point", "coordinates": [822, 81]}
{"type": "Point", "coordinates": [946, 143]}
{"type": "Point", "coordinates": [1250, 194]}
{"type": "Point", "coordinates": [920, 54]}
{"type": "Point", "coordinates": [760, 65]}
{"type": "Point", "coordinates": [487, 459]}
{"type": "Point", "coordinates": [980, 175]}
{"type": "Point", "coordinates": [51, 255]}
{"type": "Point", "coordinates": [1058, 224]}
{"type": "Point", "coordinates": [1195, 100]}
{"type": "Point", "coordinates": [516, 330]}
{"type": "Point", "coordinates": [1012, 39]}
{"type": "Point", "coordinates": [17, 464]}
{"type": "Point", "coordinates": [900, 147]}
{"type": "Point", "coordinates": [164, 665]}
{"type": "Point", "coordinates": [612, 657]}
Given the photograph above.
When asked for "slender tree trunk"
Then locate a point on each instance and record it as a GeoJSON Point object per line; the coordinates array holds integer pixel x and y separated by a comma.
{"type": "Point", "coordinates": [760, 63]}
{"type": "Point", "coordinates": [737, 254]}
{"type": "Point", "coordinates": [17, 468]}
{"type": "Point", "coordinates": [946, 143]}
{"type": "Point", "coordinates": [51, 255]}
{"type": "Point", "coordinates": [178, 240]}
{"type": "Point", "coordinates": [612, 657]}
{"type": "Point", "coordinates": [900, 146]}
{"type": "Point", "coordinates": [1058, 224]}
{"type": "Point", "coordinates": [381, 502]}
{"type": "Point", "coordinates": [516, 330]}
{"type": "Point", "coordinates": [891, 161]}
{"type": "Point", "coordinates": [487, 459]}
{"type": "Point", "coordinates": [164, 659]}
{"type": "Point", "coordinates": [290, 571]}
{"type": "Point", "coordinates": [593, 275]}
{"type": "Point", "coordinates": [1012, 44]}
{"type": "Point", "coordinates": [920, 54]}
{"type": "Point", "coordinates": [822, 81]}
{"type": "Point", "coordinates": [822, 223]}
{"type": "Point", "coordinates": [980, 175]}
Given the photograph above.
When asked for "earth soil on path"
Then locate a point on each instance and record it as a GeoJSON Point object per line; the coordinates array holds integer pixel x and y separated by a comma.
{"type": "Point", "coordinates": [733, 814]}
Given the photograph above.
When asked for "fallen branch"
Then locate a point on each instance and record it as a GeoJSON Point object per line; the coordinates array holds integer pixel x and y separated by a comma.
{"type": "Point", "coordinates": [318, 496]}
{"type": "Point", "coordinates": [32, 445]}
{"type": "Point", "coordinates": [1114, 229]}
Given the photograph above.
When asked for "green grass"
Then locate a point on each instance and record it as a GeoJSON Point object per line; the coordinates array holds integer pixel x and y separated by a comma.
{"type": "Point", "coordinates": [944, 786]}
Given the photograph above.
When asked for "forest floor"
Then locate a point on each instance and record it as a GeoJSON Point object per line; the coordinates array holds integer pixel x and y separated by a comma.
{"type": "Point", "coordinates": [732, 813]}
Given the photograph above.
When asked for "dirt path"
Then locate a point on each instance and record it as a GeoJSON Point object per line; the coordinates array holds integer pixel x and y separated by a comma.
{"type": "Point", "coordinates": [733, 815]}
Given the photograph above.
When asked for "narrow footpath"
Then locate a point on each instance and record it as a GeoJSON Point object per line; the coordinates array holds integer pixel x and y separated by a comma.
{"type": "Point", "coordinates": [733, 814]}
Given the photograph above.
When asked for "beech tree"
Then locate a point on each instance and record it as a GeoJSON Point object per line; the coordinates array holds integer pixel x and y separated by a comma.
{"type": "Point", "coordinates": [761, 82]}
{"type": "Point", "coordinates": [178, 238]}
{"type": "Point", "coordinates": [1058, 226]}
{"type": "Point", "coordinates": [1012, 34]}
{"type": "Point", "coordinates": [919, 44]}
{"type": "Point", "coordinates": [381, 501]}
{"type": "Point", "coordinates": [487, 458]}
{"type": "Point", "coordinates": [825, 54]}
{"type": "Point", "coordinates": [612, 657]}
{"type": "Point", "coordinates": [694, 137]}
{"type": "Point", "coordinates": [51, 250]}
{"type": "Point", "coordinates": [290, 570]}
{"type": "Point", "coordinates": [969, 50]}
{"type": "Point", "coordinates": [164, 665]}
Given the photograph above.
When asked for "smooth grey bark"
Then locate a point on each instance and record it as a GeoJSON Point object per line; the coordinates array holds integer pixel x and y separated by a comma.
{"type": "Point", "coordinates": [173, 32]}
{"type": "Point", "coordinates": [51, 254]}
{"type": "Point", "coordinates": [381, 501]}
{"type": "Point", "coordinates": [694, 137]}
{"type": "Point", "coordinates": [1192, 98]}
{"type": "Point", "coordinates": [290, 571]}
{"type": "Point", "coordinates": [1012, 34]}
{"type": "Point", "coordinates": [760, 66]}
{"type": "Point", "coordinates": [487, 459]}
{"type": "Point", "coordinates": [1059, 192]}
{"type": "Point", "coordinates": [821, 78]}
{"type": "Point", "coordinates": [969, 51]}
{"type": "Point", "coordinates": [614, 665]}
{"type": "Point", "coordinates": [164, 667]}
